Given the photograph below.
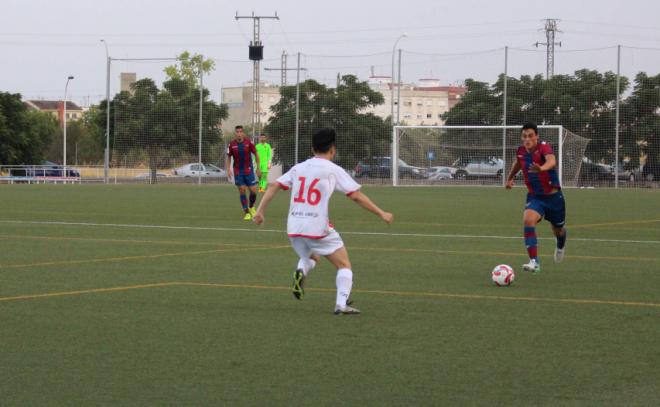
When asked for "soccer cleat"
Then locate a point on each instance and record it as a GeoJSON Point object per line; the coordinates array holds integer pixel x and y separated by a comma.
{"type": "Point", "coordinates": [262, 190]}
{"type": "Point", "coordinates": [559, 255]}
{"type": "Point", "coordinates": [346, 310]}
{"type": "Point", "coordinates": [248, 216]}
{"type": "Point", "coordinates": [252, 211]}
{"type": "Point", "coordinates": [533, 267]}
{"type": "Point", "coordinates": [298, 282]}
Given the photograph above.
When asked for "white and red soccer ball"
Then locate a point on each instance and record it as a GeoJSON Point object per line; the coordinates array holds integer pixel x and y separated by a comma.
{"type": "Point", "coordinates": [503, 275]}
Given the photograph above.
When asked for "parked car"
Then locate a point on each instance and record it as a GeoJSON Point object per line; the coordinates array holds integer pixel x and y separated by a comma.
{"type": "Point", "coordinates": [197, 169]}
{"type": "Point", "coordinates": [471, 168]}
{"type": "Point", "coordinates": [381, 167]}
{"type": "Point", "coordinates": [650, 172]}
{"type": "Point", "coordinates": [591, 172]}
{"type": "Point", "coordinates": [443, 168]}
{"type": "Point", "coordinates": [50, 169]}
{"type": "Point", "coordinates": [440, 173]}
{"type": "Point", "coordinates": [147, 175]}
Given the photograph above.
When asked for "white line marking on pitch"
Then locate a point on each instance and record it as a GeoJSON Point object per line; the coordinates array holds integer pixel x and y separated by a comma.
{"type": "Point", "coordinates": [221, 229]}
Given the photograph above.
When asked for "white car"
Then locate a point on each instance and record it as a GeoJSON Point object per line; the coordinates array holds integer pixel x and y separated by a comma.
{"type": "Point", "coordinates": [491, 167]}
{"type": "Point", "coordinates": [147, 175]}
{"type": "Point", "coordinates": [441, 173]}
{"type": "Point", "coordinates": [199, 169]}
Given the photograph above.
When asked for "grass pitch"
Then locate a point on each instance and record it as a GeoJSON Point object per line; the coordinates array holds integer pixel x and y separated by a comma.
{"type": "Point", "coordinates": [162, 295]}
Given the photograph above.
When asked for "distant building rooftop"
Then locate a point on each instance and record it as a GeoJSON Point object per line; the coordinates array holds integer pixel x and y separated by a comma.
{"type": "Point", "coordinates": [52, 105]}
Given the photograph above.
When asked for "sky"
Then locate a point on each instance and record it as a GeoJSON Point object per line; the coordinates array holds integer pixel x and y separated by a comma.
{"type": "Point", "coordinates": [44, 41]}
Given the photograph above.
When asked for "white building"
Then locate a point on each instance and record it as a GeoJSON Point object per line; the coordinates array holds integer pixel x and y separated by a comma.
{"type": "Point", "coordinates": [239, 103]}
{"type": "Point", "coordinates": [421, 104]}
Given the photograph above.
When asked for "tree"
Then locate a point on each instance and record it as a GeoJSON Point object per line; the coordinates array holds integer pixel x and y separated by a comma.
{"type": "Point", "coordinates": [359, 134]}
{"type": "Point", "coordinates": [189, 68]}
{"type": "Point", "coordinates": [584, 103]}
{"type": "Point", "coordinates": [161, 126]}
{"type": "Point", "coordinates": [640, 122]}
{"type": "Point", "coordinates": [24, 135]}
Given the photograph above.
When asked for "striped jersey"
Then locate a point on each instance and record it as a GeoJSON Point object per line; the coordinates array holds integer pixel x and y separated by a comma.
{"type": "Point", "coordinates": [241, 153]}
{"type": "Point", "coordinates": [540, 183]}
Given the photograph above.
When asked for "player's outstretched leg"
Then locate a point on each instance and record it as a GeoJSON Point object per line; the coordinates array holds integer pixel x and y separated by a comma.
{"type": "Point", "coordinates": [531, 218]}
{"type": "Point", "coordinates": [560, 249]}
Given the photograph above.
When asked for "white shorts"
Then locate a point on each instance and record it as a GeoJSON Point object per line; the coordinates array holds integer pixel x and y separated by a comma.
{"type": "Point", "coordinates": [305, 247]}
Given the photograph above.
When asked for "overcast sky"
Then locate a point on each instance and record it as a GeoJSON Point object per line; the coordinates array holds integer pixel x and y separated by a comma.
{"type": "Point", "coordinates": [44, 41]}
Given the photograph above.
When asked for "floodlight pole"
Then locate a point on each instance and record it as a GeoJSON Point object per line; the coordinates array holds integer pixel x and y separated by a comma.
{"type": "Point", "coordinates": [398, 90]}
{"type": "Point", "coordinates": [106, 155]}
{"type": "Point", "coordinates": [504, 96]}
{"type": "Point", "coordinates": [404, 35]}
{"type": "Point", "coordinates": [66, 89]}
{"type": "Point", "coordinates": [256, 42]}
{"type": "Point", "coordinates": [395, 168]}
{"type": "Point", "coordinates": [297, 108]}
{"type": "Point", "coordinates": [201, 117]}
{"type": "Point", "coordinates": [616, 132]}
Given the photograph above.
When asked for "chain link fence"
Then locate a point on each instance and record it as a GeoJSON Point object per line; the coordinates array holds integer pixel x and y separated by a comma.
{"type": "Point", "coordinates": [607, 98]}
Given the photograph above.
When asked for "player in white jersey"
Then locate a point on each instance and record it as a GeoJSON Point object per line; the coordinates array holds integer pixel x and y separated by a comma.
{"type": "Point", "coordinates": [312, 183]}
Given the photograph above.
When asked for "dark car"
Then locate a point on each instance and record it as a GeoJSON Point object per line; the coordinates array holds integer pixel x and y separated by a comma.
{"type": "Point", "coordinates": [381, 167]}
{"type": "Point", "coordinates": [650, 172]}
{"type": "Point", "coordinates": [591, 172]}
{"type": "Point", "coordinates": [50, 169]}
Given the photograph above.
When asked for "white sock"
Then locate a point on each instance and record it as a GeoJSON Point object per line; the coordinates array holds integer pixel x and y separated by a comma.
{"type": "Point", "coordinates": [306, 265]}
{"type": "Point", "coordinates": [344, 285]}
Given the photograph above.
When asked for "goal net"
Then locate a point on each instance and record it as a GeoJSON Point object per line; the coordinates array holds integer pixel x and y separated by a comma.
{"type": "Point", "coordinates": [475, 155]}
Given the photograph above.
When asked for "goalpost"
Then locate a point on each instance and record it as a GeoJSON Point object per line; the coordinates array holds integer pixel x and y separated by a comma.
{"type": "Point", "coordinates": [474, 155]}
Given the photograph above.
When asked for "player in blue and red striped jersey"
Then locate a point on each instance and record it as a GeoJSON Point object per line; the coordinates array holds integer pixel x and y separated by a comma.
{"type": "Point", "coordinates": [544, 198]}
{"type": "Point", "coordinates": [241, 150]}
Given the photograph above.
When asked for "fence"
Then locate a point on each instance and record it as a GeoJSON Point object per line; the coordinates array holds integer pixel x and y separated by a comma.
{"type": "Point", "coordinates": [608, 97]}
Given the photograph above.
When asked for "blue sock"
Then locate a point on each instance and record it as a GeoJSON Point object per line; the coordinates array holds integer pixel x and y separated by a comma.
{"type": "Point", "coordinates": [561, 240]}
{"type": "Point", "coordinates": [244, 202]}
{"type": "Point", "coordinates": [530, 242]}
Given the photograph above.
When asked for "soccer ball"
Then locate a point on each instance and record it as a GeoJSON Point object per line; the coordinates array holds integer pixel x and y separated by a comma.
{"type": "Point", "coordinates": [503, 275]}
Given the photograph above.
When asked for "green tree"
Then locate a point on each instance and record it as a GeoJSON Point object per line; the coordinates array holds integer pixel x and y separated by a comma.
{"type": "Point", "coordinates": [24, 135]}
{"type": "Point", "coordinates": [189, 68]}
{"type": "Point", "coordinates": [584, 103]}
{"type": "Point", "coordinates": [343, 108]}
{"type": "Point", "coordinates": [161, 126]}
{"type": "Point", "coordinates": [640, 121]}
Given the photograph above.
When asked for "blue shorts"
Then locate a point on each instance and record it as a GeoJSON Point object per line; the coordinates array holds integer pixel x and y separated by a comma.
{"type": "Point", "coordinates": [551, 207]}
{"type": "Point", "coordinates": [246, 180]}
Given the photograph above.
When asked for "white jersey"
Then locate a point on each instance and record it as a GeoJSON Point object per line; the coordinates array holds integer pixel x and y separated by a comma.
{"type": "Point", "coordinates": [312, 183]}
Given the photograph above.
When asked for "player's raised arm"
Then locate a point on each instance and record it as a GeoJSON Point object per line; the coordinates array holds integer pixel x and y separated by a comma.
{"type": "Point", "coordinates": [363, 200]}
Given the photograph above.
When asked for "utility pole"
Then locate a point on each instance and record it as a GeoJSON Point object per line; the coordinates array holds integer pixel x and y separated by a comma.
{"type": "Point", "coordinates": [283, 69]}
{"type": "Point", "coordinates": [550, 31]}
{"type": "Point", "coordinates": [256, 55]}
